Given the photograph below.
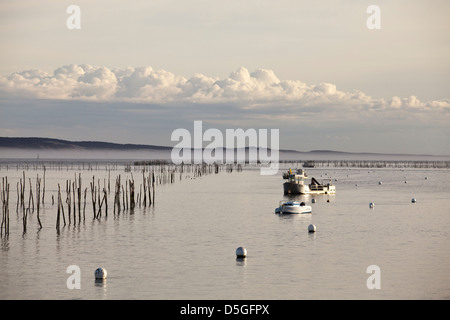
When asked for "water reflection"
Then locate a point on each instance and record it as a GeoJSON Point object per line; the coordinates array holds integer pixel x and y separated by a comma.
{"type": "Point", "coordinates": [298, 197]}
{"type": "Point", "coordinates": [5, 242]}
{"type": "Point", "coordinates": [241, 262]}
{"type": "Point", "coordinates": [101, 284]}
{"type": "Point", "coordinates": [287, 216]}
{"type": "Point", "coordinates": [311, 235]}
{"type": "Point", "coordinates": [235, 213]}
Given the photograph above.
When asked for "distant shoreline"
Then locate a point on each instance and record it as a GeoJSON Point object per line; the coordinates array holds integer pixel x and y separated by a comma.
{"type": "Point", "coordinates": [49, 148]}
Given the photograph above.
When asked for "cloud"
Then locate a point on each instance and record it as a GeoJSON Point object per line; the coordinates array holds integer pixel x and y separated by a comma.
{"type": "Point", "coordinates": [260, 89]}
{"type": "Point", "coordinates": [141, 104]}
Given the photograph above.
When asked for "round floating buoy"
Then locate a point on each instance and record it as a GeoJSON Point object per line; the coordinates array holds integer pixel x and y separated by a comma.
{"type": "Point", "coordinates": [241, 252]}
{"type": "Point", "coordinates": [311, 228]}
{"type": "Point", "coordinates": [379, 182]}
{"type": "Point", "coordinates": [413, 200]}
{"type": "Point", "coordinates": [426, 178]}
{"type": "Point", "coordinates": [371, 205]}
{"type": "Point", "coordinates": [100, 273]}
{"type": "Point", "coordinates": [313, 200]}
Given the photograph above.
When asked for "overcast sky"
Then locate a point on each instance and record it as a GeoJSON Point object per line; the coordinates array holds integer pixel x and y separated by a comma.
{"type": "Point", "coordinates": [137, 70]}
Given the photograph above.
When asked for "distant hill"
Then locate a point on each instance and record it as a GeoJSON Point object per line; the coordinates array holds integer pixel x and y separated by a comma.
{"type": "Point", "coordinates": [49, 145]}
{"type": "Point", "coordinates": [58, 144]}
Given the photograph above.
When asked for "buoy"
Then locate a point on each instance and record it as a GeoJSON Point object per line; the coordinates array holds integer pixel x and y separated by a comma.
{"type": "Point", "coordinates": [313, 200]}
{"type": "Point", "coordinates": [241, 252]}
{"type": "Point", "coordinates": [413, 200]}
{"type": "Point", "coordinates": [100, 273]}
{"type": "Point", "coordinates": [371, 205]}
{"type": "Point", "coordinates": [379, 182]}
{"type": "Point", "coordinates": [311, 228]}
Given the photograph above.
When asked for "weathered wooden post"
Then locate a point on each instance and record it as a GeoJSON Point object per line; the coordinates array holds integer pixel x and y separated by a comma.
{"type": "Point", "coordinates": [132, 203]}
{"type": "Point", "coordinates": [145, 188]}
{"type": "Point", "coordinates": [84, 206]}
{"type": "Point", "coordinates": [5, 206]}
{"type": "Point", "coordinates": [93, 194]}
{"type": "Point", "coordinates": [38, 197]}
{"type": "Point", "coordinates": [43, 187]}
{"type": "Point", "coordinates": [153, 187]}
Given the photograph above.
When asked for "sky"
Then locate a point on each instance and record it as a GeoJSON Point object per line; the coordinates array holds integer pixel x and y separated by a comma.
{"type": "Point", "coordinates": [137, 70]}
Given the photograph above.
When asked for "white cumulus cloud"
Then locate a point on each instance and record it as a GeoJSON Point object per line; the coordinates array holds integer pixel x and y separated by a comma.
{"type": "Point", "coordinates": [249, 90]}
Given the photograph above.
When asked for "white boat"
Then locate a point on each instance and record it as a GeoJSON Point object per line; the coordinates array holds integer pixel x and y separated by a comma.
{"type": "Point", "coordinates": [289, 207]}
{"type": "Point", "coordinates": [295, 184]}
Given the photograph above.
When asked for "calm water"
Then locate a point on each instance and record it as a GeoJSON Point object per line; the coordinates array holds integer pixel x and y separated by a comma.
{"type": "Point", "coordinates": [184, 246]}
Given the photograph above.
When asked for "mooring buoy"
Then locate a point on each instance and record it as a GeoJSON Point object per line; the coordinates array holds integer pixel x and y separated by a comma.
{"type": "Point", "coordinates": [100, 273]}
{"type": "Point", "coordinates": [311, 228]}
{"type": "Point", "coordinates": [241, 252]}
{"type": "Point", "coordinates": [371, 205]}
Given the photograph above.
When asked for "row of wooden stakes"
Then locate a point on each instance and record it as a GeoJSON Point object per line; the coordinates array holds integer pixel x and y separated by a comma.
{"type": "Point", "coordinates": [71, 206]}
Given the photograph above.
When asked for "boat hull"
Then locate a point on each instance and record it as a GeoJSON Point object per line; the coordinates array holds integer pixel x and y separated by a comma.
{"type": "Point", "coordinates": [293, 188]}
{"type": "Point", "coordinates": [292, 207]}
{"type": "Point", "coordinates": [295, 209]}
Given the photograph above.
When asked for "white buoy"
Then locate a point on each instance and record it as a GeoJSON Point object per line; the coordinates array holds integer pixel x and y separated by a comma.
{"type": "Point", "coordinates": [311, 228]}
{"type": "Point", "coordinates": [379, 182]}
{"type": "Point", "coordinates": [371, 205]}
{"type": "Point", "coordinates": [241, 252]}
{"type": "Point", "coordinates": [413, 200]}
{"type": "Point", "coordinates": [100, 273]}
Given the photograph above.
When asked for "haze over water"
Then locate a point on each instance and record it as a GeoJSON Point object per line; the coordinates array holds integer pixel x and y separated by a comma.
{"type": "Point", "coordinates": [184, 246]}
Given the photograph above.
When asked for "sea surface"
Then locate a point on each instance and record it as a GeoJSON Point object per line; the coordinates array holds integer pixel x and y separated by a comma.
{"type": "Point", "coordinates": [183, 246]}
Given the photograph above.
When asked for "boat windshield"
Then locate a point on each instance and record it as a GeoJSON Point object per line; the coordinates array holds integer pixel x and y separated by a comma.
{"type": "Point", "coordinates": [296, 178]}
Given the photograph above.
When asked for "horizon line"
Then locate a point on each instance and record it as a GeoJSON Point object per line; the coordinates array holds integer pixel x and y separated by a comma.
{"type": "Point", "coordinates": [148, 146]}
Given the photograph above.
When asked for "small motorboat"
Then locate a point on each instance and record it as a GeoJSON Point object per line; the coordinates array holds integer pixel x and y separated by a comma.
{"type": "Point", "coordinates": [289, 207]}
